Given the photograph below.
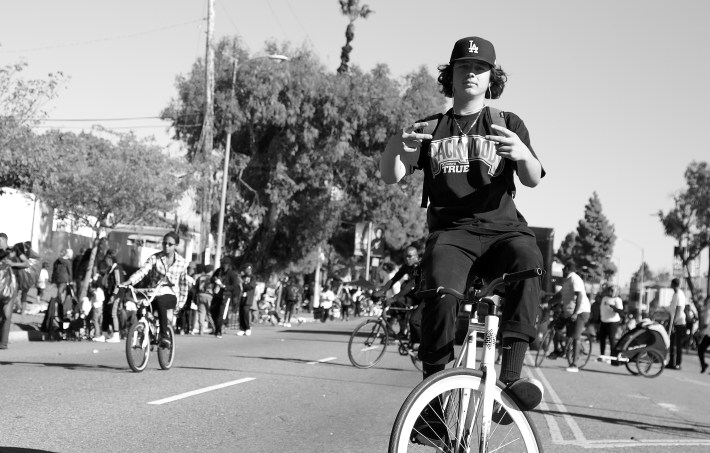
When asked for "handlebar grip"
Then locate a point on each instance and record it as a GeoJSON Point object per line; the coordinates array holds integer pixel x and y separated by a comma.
{"type": "Point", "coordinates": [429, 293]}
{"type": "Point", "coordinates": [522, 275]}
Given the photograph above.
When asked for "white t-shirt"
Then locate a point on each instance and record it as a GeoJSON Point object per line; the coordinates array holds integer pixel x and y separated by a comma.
{"type": "Point", "coordinates": [678, 301]}
{"type": "Point", "coordinates": [606, 311]}
{"type": "Point", "coordinates": [327, 298]}
{"type": "Point", "coordinates": [573, 284]}
{"type": "Point", "coordinates": [42, 279]}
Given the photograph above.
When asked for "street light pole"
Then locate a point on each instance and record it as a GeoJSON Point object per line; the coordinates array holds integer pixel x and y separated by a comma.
{"type": "Point", "coordinates": [227, 152]}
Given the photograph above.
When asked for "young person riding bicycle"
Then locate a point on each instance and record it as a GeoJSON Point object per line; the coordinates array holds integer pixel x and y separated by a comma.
{"type": "Point", "coordinates": [166, 272]}
{"type": "Point", "coordinates": [469, 165]}
{"type": "Point", "coordinates": [406, 297]}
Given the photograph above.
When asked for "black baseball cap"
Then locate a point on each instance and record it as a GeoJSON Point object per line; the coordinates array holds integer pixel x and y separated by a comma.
{"type": "Point", "coordinates": [473, 48]}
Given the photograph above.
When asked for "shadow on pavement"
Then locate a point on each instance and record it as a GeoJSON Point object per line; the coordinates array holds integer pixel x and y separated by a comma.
{"type": "Point", "coordinates": [68, 366]}
{"type": "Point", "coordinates": [21, 450]}
{"type": "Point", "coordinates": [345, 365]}
{"type": "Point", "coordinates": [663, 427]}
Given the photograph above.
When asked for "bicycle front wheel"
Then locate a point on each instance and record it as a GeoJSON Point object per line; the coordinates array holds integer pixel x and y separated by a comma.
{"type": "Point", "coordinates": [584, 353]}
{"type": "Point", "coordinates": [167, 354]}
{"type": "Point", "coordinates": [368, 343]}
{"type": "Point", "coordinates": [138, 347]}
{"type": "Point", "coordinates": [445, 412]}
{"type": "Point", "coordinates": [544, 349]}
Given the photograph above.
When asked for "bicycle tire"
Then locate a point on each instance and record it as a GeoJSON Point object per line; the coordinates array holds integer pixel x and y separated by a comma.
{"type": "Point", "coordinates": [585, 351]}
{"type": "Point", "coordinates": [368, 343]}
{"type": "Point", "coordinates": [542, 351]}
{"type": "Point", "coordinates": [520, 435]}
{"type": "Point", "coordinates": [649, 363]}
{"type": "Point", "coordinates": [137, 348]}
{"type": "Point", "coordinates": [167, 355]}
{"type": "Point", "coordinates": [632, 369]}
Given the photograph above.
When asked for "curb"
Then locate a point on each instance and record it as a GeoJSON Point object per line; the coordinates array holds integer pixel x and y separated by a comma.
{"type": "Point", "coordinates": [21, 336]}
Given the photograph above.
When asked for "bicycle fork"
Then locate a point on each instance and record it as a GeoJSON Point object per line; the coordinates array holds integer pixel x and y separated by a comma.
{"type": "Point", "coordinates": [470, 406]}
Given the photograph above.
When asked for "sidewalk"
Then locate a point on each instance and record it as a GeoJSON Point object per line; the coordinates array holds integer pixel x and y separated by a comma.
{"type": "Point", "coordinates": [27, 327]}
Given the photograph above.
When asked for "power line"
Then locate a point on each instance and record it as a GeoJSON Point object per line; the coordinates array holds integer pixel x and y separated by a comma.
{"type": "Point", "coordinates": [102, 119]}
{"type": "Point", "coordinates": [111, 38]}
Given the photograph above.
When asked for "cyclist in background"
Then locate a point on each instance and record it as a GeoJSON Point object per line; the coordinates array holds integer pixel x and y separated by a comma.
{"type": "Point", "coordinates": [405, 297]}
{"type": "Point", "coordinates": [469, 164]}
{"type": "Point", "coordinates": [166, 272]}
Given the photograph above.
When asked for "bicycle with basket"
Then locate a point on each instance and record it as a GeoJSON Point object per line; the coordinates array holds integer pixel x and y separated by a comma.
{"type": "Point", "coordinates": [472, 410]}
{"type": "Point", "coordinates": [144, 335]}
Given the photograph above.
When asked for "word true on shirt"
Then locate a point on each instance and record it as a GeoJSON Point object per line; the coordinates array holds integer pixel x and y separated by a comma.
{"type": "Point", "coordinates": [454, 154]}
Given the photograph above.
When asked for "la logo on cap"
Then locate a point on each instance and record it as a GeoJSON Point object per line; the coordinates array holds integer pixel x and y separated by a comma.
{"type": "Point", "coordinates": [472, 48]}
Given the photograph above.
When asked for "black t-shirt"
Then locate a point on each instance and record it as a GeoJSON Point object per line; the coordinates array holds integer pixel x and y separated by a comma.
{"type": "Point", "coordinates": [468, 184]}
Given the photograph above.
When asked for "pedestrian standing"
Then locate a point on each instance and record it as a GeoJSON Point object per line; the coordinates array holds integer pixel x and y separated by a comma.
{"type": "Point", "coordinates": [577, 307]}
{"type": "Point", "coordinates": [610, 310]}
{"type": "Point", "coordinates": [12, 260]}
{"type": "Point", "coordinates": [228, 285]}
{"type": "Point", "coordinates": [203, 287]}
{"type": "Point", "coordinates": [704, 335]}
{"type": "Point", "coordinates": [292, 297]}
{"type": "Point", "coordinates": [677, 325]}
{"type": "Point", "coordinates": [63, 275]}
{"type": "Point", "coordinates": [246, 300]}
{"type": "Point", "coordinates": [42, 281]}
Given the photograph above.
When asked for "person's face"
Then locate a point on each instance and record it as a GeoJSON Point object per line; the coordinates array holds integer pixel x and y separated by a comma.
{"type": "Point", "coordinates": [248, 270]}
{"type": "Point", "coordinates": [3, 242]}
{"type": "Point", "coordinates": [471, 77]}
{"type": "Point", "coordinates": [412, 256]}
{"type": "Point", "coordinates": [168, 245]}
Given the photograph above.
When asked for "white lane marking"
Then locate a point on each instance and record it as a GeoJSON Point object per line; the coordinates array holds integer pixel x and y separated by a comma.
{"type": "Point", "coordinates": [555, 431]}
{"type": "Point", "coordinates": [327, 359]}
{"type": "Point", "coordinates": [202, 390]}
{"type": "Point", "coordinates": [581, 441]}
{"type": "Point", "coordinates": [669, 406]}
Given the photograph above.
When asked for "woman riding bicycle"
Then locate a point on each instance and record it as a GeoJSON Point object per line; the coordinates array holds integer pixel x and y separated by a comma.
{"type": "Point", "coordinates": [469, 164]}
{"type": "Point", "coordinates": [167, 274]}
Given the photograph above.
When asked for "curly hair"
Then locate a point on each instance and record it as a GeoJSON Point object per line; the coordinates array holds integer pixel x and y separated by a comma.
{"type": "Point", "coordinates": [497, 84]}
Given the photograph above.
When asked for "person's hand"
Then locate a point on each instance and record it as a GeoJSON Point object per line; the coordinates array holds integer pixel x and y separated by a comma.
{"type": "Point", "coordinates": [509, 145]}
{"type": "Point", "coordinates": [573, 317]}
{"type": "Point", "coordinates": [411, 139]}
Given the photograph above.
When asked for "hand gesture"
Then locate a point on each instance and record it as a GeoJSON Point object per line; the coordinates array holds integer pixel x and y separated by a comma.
{"type": "Point", "coordinates": [509, 145]}
{"type": "Point", "coordinates": [411, 139]}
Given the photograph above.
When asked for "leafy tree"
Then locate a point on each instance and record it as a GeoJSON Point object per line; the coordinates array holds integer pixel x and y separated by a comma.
{"type": "Point", "coordinates": [305, 152]}
{"type": "Point", "coordinates": [595, 240]}
{"type": "Point", "coordinates": [101, 183]}
{"type": "Point", "coordinates": [21, 106]}
{"type": "Point", "coordinates": [566, 251]}
{"type": "Point", "coordinates": [351, 9]}
{"type": "Point", "coordinates": [689, 220]}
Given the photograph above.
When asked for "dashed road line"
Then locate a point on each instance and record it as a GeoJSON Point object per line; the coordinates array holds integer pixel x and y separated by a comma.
{"type": "Point", "coordinates": [199, 391]}
{"type": "Point", "coordinates": [327, 359]}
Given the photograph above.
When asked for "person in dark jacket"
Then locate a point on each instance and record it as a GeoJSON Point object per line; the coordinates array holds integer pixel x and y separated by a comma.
{"type": "Point", "coordinates": [63, 275]}
{"type": "Point", "coordinates": [229, 285]}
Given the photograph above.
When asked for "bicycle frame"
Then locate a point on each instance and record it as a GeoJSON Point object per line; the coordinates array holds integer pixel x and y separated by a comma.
{"type": "Point", "coordinates": [151, 325]}
{"type": "Point", "coordinates": [467, 355]}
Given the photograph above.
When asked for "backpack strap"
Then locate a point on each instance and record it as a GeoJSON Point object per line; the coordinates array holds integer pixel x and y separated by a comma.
{"type": "Point", "coordinates": [431, 127]}
{"type": "Point", "coordinates": [496, 116]}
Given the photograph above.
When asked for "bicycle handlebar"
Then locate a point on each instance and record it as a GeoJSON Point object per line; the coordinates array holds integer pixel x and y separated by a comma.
{"type": "Point", "coordinates": [504, 279]}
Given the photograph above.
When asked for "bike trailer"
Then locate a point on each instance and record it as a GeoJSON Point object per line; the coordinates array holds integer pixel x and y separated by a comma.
{"type": "Point", "coordinates": [647, 335]}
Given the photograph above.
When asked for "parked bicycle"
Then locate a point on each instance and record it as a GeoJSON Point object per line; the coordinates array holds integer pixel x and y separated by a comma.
{"type": "Point", "coordinates": [476, 410]}
{"type": "Point", "coordinates": [144, 335]}
{"type": "Point", "coordinates": [369, 340]}
{"type": "Point", "coordinates": [556, 344]}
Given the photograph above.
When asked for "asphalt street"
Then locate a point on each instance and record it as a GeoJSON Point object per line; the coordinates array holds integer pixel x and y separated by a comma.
{"type": "Point", "coordinates": [294, 390]}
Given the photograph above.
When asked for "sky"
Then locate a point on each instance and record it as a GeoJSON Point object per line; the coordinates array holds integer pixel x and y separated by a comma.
{"type": "Point", "coordinates": [614, 93]}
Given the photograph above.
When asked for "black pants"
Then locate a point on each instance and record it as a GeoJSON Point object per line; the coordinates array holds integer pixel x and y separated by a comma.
{"type": "Point", "coordinates": [677, 337]}
{"type": "Point", "coordinates": [244, 314]}
{"type": "Point", "coordinates": [449, 259]}
{"type": "Point", "coordinates": [607, 330]}
{"type": "Point", "coordinates": [219, 305]}
{"type": "Point", "coordinates": [162, 304]}
{"type": "Point", "coordinates": [702, 347]}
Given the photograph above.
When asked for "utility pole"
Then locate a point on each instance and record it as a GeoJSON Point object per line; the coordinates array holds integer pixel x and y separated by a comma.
{"type": "Point", "coordinates": [225, 171]}
{"type": "Point", "coordinates": [207, 137]}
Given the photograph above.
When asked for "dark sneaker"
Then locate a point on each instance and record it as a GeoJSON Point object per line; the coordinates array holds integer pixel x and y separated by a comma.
{"type": "Point", "coordinates": [430, 430]}
{"type": "Point", "coordinates": [528, 393]}
{"type": "Point", "coordinates": [552, 356]}
{"type": "Point", "coordinates": [165, 343]}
